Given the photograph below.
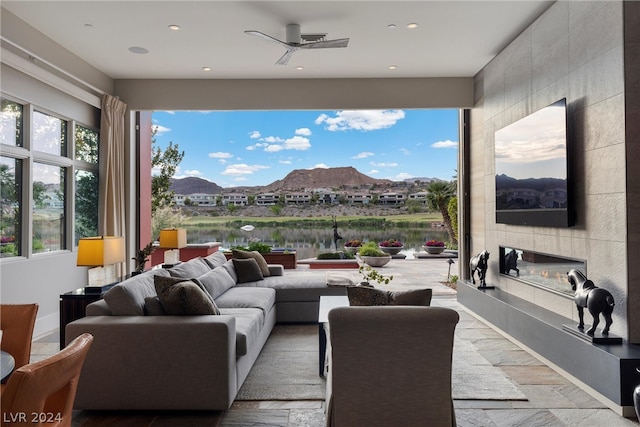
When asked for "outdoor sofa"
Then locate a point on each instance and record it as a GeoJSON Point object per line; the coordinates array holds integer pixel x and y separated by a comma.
{"type": "Point", "coordinates": [145, 359]}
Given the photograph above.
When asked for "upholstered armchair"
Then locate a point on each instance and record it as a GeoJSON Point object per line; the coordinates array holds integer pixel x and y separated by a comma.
{"type": "Point", "coordinates": [17, 322]}
{"type": "Point", "coordinates": [390, 366]}
{"type": "Point", "coordinates": [46, 389]}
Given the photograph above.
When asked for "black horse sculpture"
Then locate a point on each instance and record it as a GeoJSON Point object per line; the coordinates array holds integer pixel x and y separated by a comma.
{"type": "Point", "coordinates": [511, 262]}
{"type": "Point", "coordinates": [480, 263]}
{"type": "Point", "coordinates": [336, 236]}
{"type": "Point", "coordinates": [595, 299]}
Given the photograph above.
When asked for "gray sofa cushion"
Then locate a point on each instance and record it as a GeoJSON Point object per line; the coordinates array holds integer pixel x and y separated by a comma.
{"type": "Point", "coordinates": [127, 298]}
{"type": "Point", "coordinates": [153, 307]}
{"type": "Point", "coordinates": [262, 298]}
{"type": "Point", "coordinates": [247, 270]}
{"type": "Point", "coordinates": [184, 297]}
{"type": "Point", "coordinates": [216, 259]}
{"type": "Point", "coordinates": [217, 281]}
{"type": "Point", "coordinates": [248, 326]}
{"type": "Point", "coordinates": [232, 271]}
{"type": "Point", "coordinates": [193, 268]}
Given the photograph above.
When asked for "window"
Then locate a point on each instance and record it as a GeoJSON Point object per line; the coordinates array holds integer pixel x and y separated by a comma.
{"type": "Point", "coordinates": [60, 158]}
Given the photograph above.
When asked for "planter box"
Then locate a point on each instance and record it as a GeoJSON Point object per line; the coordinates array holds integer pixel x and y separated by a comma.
{"type": "Point", "coordinates": [288, 260]}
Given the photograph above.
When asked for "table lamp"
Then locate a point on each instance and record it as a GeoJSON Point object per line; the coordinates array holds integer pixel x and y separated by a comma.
{"type": "Point", "coordinates": [101, 253]}
{"type": "Point", "coordinates": [172, 239]}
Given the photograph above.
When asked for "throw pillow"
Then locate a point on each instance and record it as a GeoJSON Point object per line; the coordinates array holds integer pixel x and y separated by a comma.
{"type": "Point", "coordinates": [413, 297]}
{"type": "Point", "coordinates": [216, 282]}
{"type": "Point", "coordinates": [153, 307]}
{"type": "Point", "coordinates": [364, 295]}
{"type": "Point", "coordinates": [183, 297]}
{"type": "Point", "coordinates": [193, 268]}
{"type": "Point", "coordinates": [247, 270]}
{"type": "Point", "coordinates": [264, 267]}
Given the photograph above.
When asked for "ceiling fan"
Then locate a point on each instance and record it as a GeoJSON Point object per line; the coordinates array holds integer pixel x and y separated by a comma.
{"type": "Point", "coordinates": [296, 41]}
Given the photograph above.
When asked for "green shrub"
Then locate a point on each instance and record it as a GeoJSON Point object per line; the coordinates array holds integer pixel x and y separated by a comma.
{"type": "Point", "coordinates": [330, 255]}
{"type": "Point", "coordinates": [263, 248]}
{"type": "Point", "coordinates": [370, 249]}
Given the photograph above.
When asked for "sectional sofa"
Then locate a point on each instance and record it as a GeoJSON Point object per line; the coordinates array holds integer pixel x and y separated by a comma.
{"type": "Point", "coordinates": [146, 359]}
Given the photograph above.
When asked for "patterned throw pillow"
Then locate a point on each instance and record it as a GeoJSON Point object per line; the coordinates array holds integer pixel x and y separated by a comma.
{"type": "Point", "coordinates": [264, 267]}
{"type": "Point", "coordinates": [364, 295]}
{"type": "Point", "coordinates": [183, 297]}
{"type": "Point", "coordinates": [247, 270]}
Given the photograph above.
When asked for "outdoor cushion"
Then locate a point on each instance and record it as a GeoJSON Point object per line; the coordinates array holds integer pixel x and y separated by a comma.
{"type": "Point", "coordinates": [248, 326]}
{"type": "Point", "coordinates": [216, 259]}
{"type": "Point", "coordinates": [217, 281]}
{"type": "Point", "coordinates": [247, 270]}
{"type": "Point", "coordinates": [264, 267]}
{"type": "Point", "coordinates": [127, 298]}
{"type": "Point", "coordinates": [262, 298]}
{"type": "Point", "coordinates": [195, 267]}
{"type": "Point", "coordinates": [184, 297]}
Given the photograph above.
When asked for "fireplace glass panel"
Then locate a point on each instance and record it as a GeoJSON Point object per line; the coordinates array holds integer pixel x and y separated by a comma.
{"type": "Point", "coordinates": [539, 269]}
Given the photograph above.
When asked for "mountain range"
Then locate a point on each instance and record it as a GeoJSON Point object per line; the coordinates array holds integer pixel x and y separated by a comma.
{"type": "Point", "coordinates": [297, 180]}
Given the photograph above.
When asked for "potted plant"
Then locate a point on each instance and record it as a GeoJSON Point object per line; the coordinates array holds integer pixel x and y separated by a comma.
{"type": "Point", "coordinates": [371, 255]}
{"type": "Point", "coordinates": [370, 275]}
{"type": "Point", "coordinates": [434, 246]}
{"type": "Point", "coordinates": [285, 257]}
{"type": "Point", "coordinates": [391, 246]}
{"type": "Point", "coordinates": [353, 245]}
{"type": "Point", "coordinates": [141, 258]}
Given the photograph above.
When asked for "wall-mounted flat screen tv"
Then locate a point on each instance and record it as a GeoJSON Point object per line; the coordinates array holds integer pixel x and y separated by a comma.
{"type": "Point", "coordinates": [532, 170]}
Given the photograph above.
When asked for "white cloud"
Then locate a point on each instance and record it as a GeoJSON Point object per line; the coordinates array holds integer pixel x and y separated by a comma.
{"type": "Point", "coordinates": [320, 166]}
{"type": "Point", "coordinates": [193, 172]}
{"type": "Point", "coordinates": [220, 155]}
{"type": "Point", "coordinates": [445, 144]}
{"type": "Point", "coordinates": [285, 162]}
{"type": "Point", "coordinates": [272, 139]}
{"type": "Point", "coordinates": [160, 130]}
{"type": "Point", "coordinates": [364, 120]}
{"type": "Point", "coordinates": [257, 145]}
{"type": "Point", "coordinates": [384, 165]}
{"type": "Point", "coordinates": [373, 172]}
{"type": "Point", "coordinates": [405, 151]}
{"type": "Point", "coordinates": [240, 179]}
{"type": "Point", "coordinates": [402, 176]}
{"type": "Point", "coordinates": [303, 132]}
{"type": "Point", "coordinates": [254, 134]}
{"type": "Point", "coordinates": [363, 155]}
{"type": "Point", "coordinates": [299, 143]}
{"type": "Point", "coordinates": [273, 148]}
{"type": "Point", "coordinates": [243, 169]}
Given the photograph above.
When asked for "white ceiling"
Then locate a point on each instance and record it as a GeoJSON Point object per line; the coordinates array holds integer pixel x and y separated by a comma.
{"type": "Point", "coordinates": [453, 38]}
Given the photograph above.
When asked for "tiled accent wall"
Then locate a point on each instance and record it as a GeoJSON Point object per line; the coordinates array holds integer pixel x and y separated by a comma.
{"type": "Point", "coordinates": [575, 50]}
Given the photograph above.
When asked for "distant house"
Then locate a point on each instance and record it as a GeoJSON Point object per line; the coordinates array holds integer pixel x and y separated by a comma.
{"type": "Point", "coordinates": [298, 198]}
{"type": "Point", "coordinates": [358, 198]}
{"type": "Point", "coordinates": [236, 199]}
{"type": "Point", "coordinates": [179, 199]}
{"type": "Point", "coordinates": [267, 199]}
{"type": "Point", "coordinates": [420, 196]}
{"type": "Point", "coordinates": [391, 198]}
{"type": "Point", "coordinates": [202, 199]}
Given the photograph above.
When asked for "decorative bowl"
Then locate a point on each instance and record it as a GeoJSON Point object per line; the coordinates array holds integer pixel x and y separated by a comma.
{"type": "Point", "coordinates": [376, 261]}
{"type": "Point", "coordinates": [391, 250]}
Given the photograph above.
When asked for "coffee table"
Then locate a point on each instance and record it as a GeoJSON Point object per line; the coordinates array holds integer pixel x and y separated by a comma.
{"type": "Point", "coordinates": [327, 303]}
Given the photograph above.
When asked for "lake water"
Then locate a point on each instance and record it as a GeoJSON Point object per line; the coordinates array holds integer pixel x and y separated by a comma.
{"type": "Point", "coordinates": [309, 242]}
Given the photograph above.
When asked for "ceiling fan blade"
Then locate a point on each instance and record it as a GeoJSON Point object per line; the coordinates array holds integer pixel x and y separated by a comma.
{"type": "Point", "coordinates": [325, 44]}
{"type": "Point", "coordinates": [284, 59]}
{"type": "Point", "coordinates": [267, 37]}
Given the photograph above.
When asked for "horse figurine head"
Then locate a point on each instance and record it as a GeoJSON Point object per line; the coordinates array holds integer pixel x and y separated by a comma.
{"type": "Point", "coordinates": [577, 279]}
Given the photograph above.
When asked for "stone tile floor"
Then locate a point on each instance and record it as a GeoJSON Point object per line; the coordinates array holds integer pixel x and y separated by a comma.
{"type": "Point", "coordinates": [552, 399]}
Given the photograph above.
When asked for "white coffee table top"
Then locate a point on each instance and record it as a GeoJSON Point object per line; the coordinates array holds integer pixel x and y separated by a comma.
{"type": "Point", "coordinates": [329, 302]}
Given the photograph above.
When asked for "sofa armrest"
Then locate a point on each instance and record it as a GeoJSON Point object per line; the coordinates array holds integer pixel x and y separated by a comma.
{"type": "Point", "coordinates": [98, 308]}
{"type": "Point", "coordinates": [276, 269]}
{"type": "Point", "coordinates": [134, 360]}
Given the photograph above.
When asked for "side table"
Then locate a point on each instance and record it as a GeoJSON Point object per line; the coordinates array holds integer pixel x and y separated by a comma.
{"type": "Point", "coordinates": [73, 306]}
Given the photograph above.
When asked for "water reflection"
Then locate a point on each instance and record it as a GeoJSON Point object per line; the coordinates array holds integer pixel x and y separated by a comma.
{"type": "Point", "coordinates": [309, 242]}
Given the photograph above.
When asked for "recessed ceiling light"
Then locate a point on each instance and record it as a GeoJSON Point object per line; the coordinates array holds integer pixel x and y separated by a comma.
{"type": "Point", "coordinates": [174, 27]}
{"type": "Point", "coordinates": [138, 50]}
{"type": "Point", "coordinates": [88, 25]}
{"type": "Point", "coordinates": [299, 68]}
{"type": "Point", "coordinates": [393, 67]}
{"type": "Point", "coordinates": [391, 26]}
{"type": "Point", "coordinates": [412, 25]}
{"type": "Point", "coordinates": [206, 68]}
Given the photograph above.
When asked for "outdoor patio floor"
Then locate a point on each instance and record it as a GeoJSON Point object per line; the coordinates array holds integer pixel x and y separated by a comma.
{"type": "Point", "coordinates": [553, 400]}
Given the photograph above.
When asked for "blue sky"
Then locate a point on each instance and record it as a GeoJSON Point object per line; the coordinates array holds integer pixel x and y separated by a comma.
{"type": "Point", "coordinates": [249, 148]}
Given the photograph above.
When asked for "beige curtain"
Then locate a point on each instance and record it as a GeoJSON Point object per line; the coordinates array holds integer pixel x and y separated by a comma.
{"type": "Point", "coordinates": [112, 167]}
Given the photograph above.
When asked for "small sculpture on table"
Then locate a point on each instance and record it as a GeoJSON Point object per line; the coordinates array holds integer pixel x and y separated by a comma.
{"type": "Point", "coordinates": [595, 299]}
{"type": "Point", "coordinates": [511, 262]}
{"type": "Point", "coordinates": [336, 236]}
{"type": "Point", "coordinates": [480, 263]}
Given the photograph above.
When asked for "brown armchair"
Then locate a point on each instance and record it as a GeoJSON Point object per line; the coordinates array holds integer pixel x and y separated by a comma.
{"type": "Point", "coordinates": [390, 366]}
{"type": "Point", "coordinates": [17, 322]}
{"type": "Point", "coordinates": [46, 388]}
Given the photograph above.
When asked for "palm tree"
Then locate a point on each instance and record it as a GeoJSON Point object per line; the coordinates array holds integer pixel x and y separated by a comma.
{"type": "Point", "coordinates": [440, 192]}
